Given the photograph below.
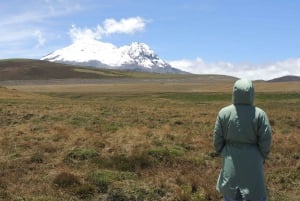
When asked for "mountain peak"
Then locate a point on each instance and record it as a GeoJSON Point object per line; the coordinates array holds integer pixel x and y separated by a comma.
{"type": "Point", "coordinates": [137, 48]}
{"type": "Point", "coordinates": [88, 52]}
{"type": "Point", "coordinates": [141, 46]}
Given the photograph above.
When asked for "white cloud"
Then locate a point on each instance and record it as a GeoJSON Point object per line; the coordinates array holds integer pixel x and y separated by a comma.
{"type": "Point", "coordinates": [110, 26]}
{"type": "Point", "coordinates": [129, 25]}
{"type": "Point", "coordinates": [40, 38]}
{"type": "Point", "coordinates": [77, 33]}
{"type": "Point", "coordinates": [57, 8]}
{"type": "Point", "coordinates": [249, 71]}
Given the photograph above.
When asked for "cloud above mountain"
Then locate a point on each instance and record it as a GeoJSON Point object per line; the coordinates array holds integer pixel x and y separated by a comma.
{"type": "Point", "coordinates": [109, 26]}
{"type": "Point", "coordinates": [40, 38]}
{"type": "Point", "coordinates": [127, 26]}
{"type": "Point", "coordinates": [249, 71]}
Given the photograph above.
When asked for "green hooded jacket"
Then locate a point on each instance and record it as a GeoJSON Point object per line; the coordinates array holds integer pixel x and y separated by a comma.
{"type": "Point", "coordinates": [242, 135]}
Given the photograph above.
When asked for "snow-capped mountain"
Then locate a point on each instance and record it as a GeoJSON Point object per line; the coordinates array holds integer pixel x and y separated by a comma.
{"type": "Point", "coordinates": [136, 56]}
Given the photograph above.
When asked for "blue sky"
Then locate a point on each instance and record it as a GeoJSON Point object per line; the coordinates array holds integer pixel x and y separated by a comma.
{"type": "Point", "coordinates": [244, 38]}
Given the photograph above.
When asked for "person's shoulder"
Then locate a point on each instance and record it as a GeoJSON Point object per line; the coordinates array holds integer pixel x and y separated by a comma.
{"type": "Point", "coordinates": [226, 109]}
{"type": "Point", "coordinates": [260, 112]}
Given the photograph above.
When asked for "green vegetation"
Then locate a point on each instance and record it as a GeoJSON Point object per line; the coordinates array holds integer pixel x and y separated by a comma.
{"type": "Point", "coordinates": [131, 146]}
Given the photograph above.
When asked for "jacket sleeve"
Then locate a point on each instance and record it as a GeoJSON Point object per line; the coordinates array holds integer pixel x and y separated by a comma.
{"type": "Point", "coordinates": [219, 140]}
{"type": "Point", "coordinates": [264, 135]}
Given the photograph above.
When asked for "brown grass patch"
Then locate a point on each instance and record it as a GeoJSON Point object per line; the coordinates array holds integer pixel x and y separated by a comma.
{"type": "Point", "coordinates": [110, 144]}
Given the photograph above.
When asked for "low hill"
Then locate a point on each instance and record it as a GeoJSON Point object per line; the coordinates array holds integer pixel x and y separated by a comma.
{"type": "Point", "coordinates": [288, 78]}
{"type": "Point", "coordinates": [28, 69]}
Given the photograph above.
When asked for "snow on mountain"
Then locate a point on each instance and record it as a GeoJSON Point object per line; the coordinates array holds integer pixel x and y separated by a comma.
{"type": "Point", "coordinates": [136, 56]}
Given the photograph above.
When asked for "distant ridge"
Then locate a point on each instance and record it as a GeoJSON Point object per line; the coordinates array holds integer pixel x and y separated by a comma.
{"type": "Point", "coordinates": [288, 78]}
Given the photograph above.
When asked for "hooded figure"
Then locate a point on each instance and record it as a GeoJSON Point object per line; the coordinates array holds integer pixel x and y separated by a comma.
{"type": "Point", "coordinates": [242, 136]}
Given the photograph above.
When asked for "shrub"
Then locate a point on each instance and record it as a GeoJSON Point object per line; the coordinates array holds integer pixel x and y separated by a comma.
{"type": "Point", "coordinates": [123, 162]}
{"type": "Point", "coordinates": [39, 198]}
{"type": "Point", "coordinates": [133, 191]}
{"type": "Point", "coordinates": [177, 151]}
{"type": "Point", "coordinates": [4, 195]}
{"type": "Point", "coordinates": [191, 193]}
{"type": "Point", "coordinates": [84, 191]}
{"type": "Point", "coordinates": [130, 163]}
{"type": "Point", "coordinates": [102, 179]}
{"type": "Point", "coordinates": [65, 179]}
{"type": "Point", "coordinates": [167, 156]}
{"type": "Point", "coordinates": [82, 154]}
{"type": "Point", "coordinates": [37, 158]}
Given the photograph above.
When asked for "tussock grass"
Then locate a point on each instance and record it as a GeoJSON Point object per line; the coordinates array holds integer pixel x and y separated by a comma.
{"type": "Point", "coordinates": [132, 145]}
{"type": "Point", "coordinates": [102, 179]}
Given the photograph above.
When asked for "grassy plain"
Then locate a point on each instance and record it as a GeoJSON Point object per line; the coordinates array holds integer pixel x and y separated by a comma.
{"type": "Point", "coordinates": [133, 141]}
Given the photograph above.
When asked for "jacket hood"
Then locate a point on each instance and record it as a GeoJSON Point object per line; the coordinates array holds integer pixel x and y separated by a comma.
{"type": "Point", "coordinates": [243, 92]}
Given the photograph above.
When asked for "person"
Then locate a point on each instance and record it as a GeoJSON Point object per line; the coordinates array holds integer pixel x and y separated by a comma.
{"type": "Point", "coordinates": [242, 136]}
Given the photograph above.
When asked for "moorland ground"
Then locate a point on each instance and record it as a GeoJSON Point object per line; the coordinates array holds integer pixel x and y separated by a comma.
{"type": "Point", "coordinates": [133, 140]}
